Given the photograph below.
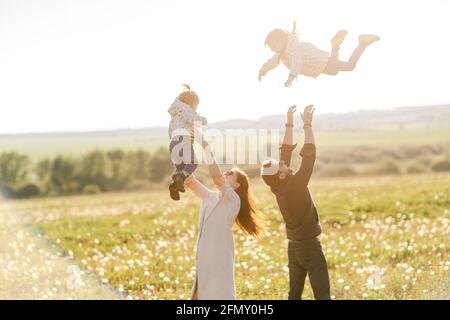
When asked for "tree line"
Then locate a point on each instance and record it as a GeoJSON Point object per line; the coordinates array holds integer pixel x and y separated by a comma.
{"type": "Point", "coordinates": [115, 170]}
{"type": "Point", "coordinates": [97, 171]}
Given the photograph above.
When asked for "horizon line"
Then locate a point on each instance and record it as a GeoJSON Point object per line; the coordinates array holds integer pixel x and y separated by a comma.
{"type": "Point", "coordinates": [119, 129]}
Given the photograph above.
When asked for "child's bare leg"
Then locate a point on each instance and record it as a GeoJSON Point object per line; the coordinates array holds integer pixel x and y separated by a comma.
{"type": "Point", "coordinates": [332, 67]}
{"type": "Point", "coordinates": [336, 42]}
{"type": "Point", "coordinates": [335, 52]}
{"type": "Point", "coordinates": [364, 42]}
{"type": "Point", "coordinates": [351, 63]}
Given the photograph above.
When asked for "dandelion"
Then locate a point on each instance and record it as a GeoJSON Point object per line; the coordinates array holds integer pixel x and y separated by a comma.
{"type": "Point", "coordinates": [124, 223]}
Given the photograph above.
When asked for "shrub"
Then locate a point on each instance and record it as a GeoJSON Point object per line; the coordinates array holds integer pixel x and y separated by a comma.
{"type": "Point", "coordinates": [135, 185]}
{"type": "Point", "coordinates": [6, 191]}
{"type": "Point", "coordinates": [14, 169]}
{"type": "Point", "coordinates": [30, 190]}
{"type": "Point", "coordinates": [424, 160]}
{"type": "Point", "coordinates": [389, 153]}
{"type": "Point", "coordinates": [62, 175]}
{"type": "Point", "coordinates": [120, 171]}
{"type": "Point", "coordinates": [441, 166]}
{"type": "Point", "coordinates": [92, 169]}
{"type": "Point", "coordinates": [362, 155]}
{"type": "Point", "coordinates": [331, 156]}
{"type": "Point", "coordinates": [91, 189]}
{"type": "Point", "coordinates": [387, 167]}
{"type": "Point", "coordinates": [416, 168]}
{"type": "Point", "coordinates": [160, 165]}
{"type": "Point", "coordinates": [414, 151]}
{"type": "Point", "coordinates": [337, 171]}
{"type": "Point", "coordinates": [139, 164]}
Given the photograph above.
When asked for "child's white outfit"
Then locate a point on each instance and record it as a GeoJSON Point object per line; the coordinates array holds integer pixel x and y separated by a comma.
{"type": "Point", "coordinates": [300, 58]}
{"type": "Point", "coordinates": [183, 117]}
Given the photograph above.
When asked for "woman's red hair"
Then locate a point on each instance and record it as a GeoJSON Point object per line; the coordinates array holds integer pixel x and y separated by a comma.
{"type": "Point", "coordinates": [247, 218]}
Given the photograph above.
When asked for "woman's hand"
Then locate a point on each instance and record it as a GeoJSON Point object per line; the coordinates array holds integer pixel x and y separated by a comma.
{"type": "Point", "coordinates": [307, 115]}
{"type": "Point", "coordinates": [204, 143]}
{"type": "Point", "coordinates": [290, 114]}
{"type": "Point", "coordinates": [198, 136]}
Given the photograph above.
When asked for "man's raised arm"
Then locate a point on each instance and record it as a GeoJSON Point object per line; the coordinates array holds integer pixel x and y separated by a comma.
{"type": "Point", "coordinates": [308, 152]}
{"type": "Point", "coordinates": [287, 147]}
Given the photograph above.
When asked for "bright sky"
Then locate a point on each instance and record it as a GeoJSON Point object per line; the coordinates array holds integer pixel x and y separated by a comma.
{"type": "Point", "coordinates": [103, 64]}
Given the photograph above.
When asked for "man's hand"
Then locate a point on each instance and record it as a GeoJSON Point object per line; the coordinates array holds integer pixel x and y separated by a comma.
{"type": "Point", "coordinates": [290, 114]}
{"type": "Point", "coordinates": [307, 115]}
{"type": "Point", "coordinates": [261, 74]}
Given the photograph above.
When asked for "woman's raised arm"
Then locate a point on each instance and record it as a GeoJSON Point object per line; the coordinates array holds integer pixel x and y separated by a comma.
{"type": "Point", "coordinates": [214, 169]}
{"type": "Point", "coordinates": [197, 187]}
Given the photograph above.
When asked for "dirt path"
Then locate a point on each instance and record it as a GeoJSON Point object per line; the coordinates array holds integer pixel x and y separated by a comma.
{"type": "Point", "coordinates": [33, 268]}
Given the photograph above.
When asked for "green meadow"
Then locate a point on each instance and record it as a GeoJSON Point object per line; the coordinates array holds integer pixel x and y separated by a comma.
{"type": "Point", "coordinates": [385, 237]}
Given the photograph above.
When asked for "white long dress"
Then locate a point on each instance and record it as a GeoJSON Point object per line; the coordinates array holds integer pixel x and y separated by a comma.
{"type": "Point", "coordinates": [215, 244]}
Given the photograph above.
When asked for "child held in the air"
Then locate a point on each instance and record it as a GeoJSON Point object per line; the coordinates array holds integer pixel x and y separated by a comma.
{"type": "Point", "coordinates": [184, 121]}
{"type": "Point", "coordinates": [306, 59]}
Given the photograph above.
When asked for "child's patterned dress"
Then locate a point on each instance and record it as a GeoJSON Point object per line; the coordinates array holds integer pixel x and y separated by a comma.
{"type": "Point", "coordinates": [300, 58]}
{"type": "Point", "coordinates": [184, 120]}
{"type": "Point", "coordinates": [183, 117]}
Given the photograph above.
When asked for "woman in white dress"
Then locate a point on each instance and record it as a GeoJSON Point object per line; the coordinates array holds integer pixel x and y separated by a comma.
{"type": "Point", "coordinates": [233, 202]}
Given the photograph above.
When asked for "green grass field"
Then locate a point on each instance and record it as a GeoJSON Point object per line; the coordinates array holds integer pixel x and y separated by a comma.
{"type": "Point", "coordinates": [384, 238]}
{"type": "Point", "coordinates": [39, 147]}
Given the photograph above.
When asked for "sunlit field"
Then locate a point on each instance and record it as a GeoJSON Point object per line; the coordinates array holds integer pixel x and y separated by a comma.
{"type": "Point", "coordinates": [384, 238]}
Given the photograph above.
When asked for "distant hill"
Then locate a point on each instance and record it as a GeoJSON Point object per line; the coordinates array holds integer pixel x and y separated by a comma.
{"type": "Point", "coordinates": [399, 118]}
{"type": "Point", "coordinates": [366, 120]}
{"type": "Point", "coordinates": [398, 126]}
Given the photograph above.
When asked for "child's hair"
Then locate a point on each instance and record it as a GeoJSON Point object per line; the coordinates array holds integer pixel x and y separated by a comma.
{"type": "Point", "coordinates": [277, 35]}
{"type": "Point", "coordinates": [274, 36]}
{"type": "Point", "coordinates": [189, 97]}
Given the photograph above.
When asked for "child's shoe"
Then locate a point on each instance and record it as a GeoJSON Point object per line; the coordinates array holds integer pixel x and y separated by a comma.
{"type": "Point", "coordinates": [174, 194]}
{"type": "Point", "coordinates": [367, 39]}
{"type": "Point", "coordinates": [178, 179]}
{"type": "Point", "coordinates": [338, 38]}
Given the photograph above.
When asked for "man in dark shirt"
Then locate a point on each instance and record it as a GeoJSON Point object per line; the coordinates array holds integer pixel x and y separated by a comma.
{"type": "Point", "coordinates": [299, 210]}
